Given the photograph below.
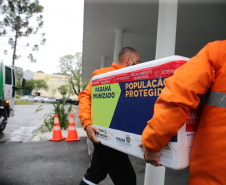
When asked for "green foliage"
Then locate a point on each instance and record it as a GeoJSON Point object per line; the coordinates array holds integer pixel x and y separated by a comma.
{"type": "Point", "coordinates": [35, 85]}
{"type": "Point", "coordinates": [18, 102]}
{"type": "Point", "coordinates": [62, 113]}
{"type": "Point", "coordinates": [19, 73]}
{"type": "Point", "coordinates": [63, 89]}
{"type": "Point", "coordinates": [16, 21]}
{"type": "Point", "coordinates": [29, 85]}
{"type": "Point", "coordinates": [72, 65]}
{"type": "Point", "coordinates": [19, 76]}
{"type": "Point", "coordinates": [61, 74]}
{"type": "Point", "coordinates": [49, 121]}
{"type": "Point", "coordinates": [18, 92]}
{"type": "Point", "coordinates": [40, 84]}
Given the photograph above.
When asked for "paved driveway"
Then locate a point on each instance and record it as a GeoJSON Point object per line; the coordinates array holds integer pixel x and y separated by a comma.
{"type": "Point", "coordinates": [43, 163]}
{"type": "Point", "coordinates": [46, 162]}
{"type": "Point", "coordinates": [25, 122]}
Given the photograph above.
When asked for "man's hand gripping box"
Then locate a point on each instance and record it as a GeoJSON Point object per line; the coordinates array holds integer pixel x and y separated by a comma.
{"type": "Point", "coordinates": [123, 101]}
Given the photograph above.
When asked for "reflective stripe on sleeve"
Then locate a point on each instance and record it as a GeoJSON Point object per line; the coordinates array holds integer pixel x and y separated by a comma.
{"type": "Point", "coordinates": [88, 182]}
{"type": "Point", "coordinates": [217, 99]}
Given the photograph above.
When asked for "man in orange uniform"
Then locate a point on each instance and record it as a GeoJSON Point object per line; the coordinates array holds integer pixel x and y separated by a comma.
{"type": "Point", "coordinates": [106, 160]}
{"type": "Point", "coordinates": [206, 72]}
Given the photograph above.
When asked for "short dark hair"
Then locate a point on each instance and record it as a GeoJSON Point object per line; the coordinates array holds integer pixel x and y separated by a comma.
{"type": "Point", "coordinates": [124, 51]}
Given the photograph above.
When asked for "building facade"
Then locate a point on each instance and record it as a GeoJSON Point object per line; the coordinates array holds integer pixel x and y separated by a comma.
{"type": "Point", "coordinates": [53, 82]}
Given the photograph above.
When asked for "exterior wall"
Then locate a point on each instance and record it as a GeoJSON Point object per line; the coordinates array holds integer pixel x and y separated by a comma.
{"type": "Point", "coordinates": [53, 82]}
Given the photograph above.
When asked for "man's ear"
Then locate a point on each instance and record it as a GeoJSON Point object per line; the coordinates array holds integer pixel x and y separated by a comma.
{"type": "Point", "coordinates": [125, 61]}
{"type": "Point", "coordinates": [127, 58]}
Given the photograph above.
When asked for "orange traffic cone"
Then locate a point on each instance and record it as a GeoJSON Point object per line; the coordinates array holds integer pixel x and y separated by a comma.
{"type": "Point", "coordinates": [72, 133]}
{"type": "Point", "coordinates": [57, 135]}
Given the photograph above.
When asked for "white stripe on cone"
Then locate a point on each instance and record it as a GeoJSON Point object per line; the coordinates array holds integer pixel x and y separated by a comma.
{"type": "Point", "coordinates": [56, 128]}
{"type": "Point", "coordinates": [71, 128]}
{"type": "Point", "coordinates": [56, 120]}
{"type": "Point", "coordinates": [71, 120]}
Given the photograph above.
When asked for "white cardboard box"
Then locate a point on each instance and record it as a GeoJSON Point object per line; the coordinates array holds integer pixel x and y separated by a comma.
{"type": "Point", "coordinates": [123, 101]}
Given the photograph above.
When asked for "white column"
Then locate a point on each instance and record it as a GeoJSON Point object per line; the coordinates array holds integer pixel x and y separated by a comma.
{"type": "Point", "coordinates": [167, 25]}
{"type": "Point", "coordinates": [165, 46]}
{"type": "Point", "coordinates": [118, 44]}
{"type": "Point", "coordinates": [102, 62]}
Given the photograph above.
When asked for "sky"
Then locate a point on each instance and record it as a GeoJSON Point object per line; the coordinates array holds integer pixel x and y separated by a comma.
{"type": "Point", "coordinates": [63, 28]}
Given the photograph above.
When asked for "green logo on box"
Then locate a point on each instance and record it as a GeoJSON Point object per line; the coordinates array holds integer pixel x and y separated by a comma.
{"type": "Point", "coordinates": [104, 102]}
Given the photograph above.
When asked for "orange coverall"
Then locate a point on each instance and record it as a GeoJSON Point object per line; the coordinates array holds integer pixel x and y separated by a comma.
{"type": "Point", "coordinates": [105, 160]}
{"type": "Point", "coordinates": [84, 97]}
{"type": "Point", "coordinates": [204, 72]}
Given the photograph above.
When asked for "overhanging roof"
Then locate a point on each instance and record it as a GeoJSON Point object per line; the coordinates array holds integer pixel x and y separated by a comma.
{"type": "Point", "coordinates": [199, 22]}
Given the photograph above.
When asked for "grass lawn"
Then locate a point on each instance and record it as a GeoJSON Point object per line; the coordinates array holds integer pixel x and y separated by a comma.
{"type": "Point", "coordinates": [19, 102]}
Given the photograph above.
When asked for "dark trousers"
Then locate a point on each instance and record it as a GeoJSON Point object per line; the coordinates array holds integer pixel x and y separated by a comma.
{"type": "Point", "coordinates": [106, 160]}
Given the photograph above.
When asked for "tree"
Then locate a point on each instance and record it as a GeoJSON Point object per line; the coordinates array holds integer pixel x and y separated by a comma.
{"type": "Point", "coordinates": [29, 85]}
{"type": "Point", "coordinates": [18, 92]}
{"type": "Point", "coordinates": [19, 72]}
{"type": "Point", "coordinates": [63, 89]}
{"type": "Point", "coordinates": [72, 65]}
{"type": "Point", "coordinates": [35, 85]}
{"type": "Point", "coordinates": [19, 75]}
{"type": "Point", "coordinates": [17, 16]}
{"type": "Point", "coordinates": [60, 74]}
